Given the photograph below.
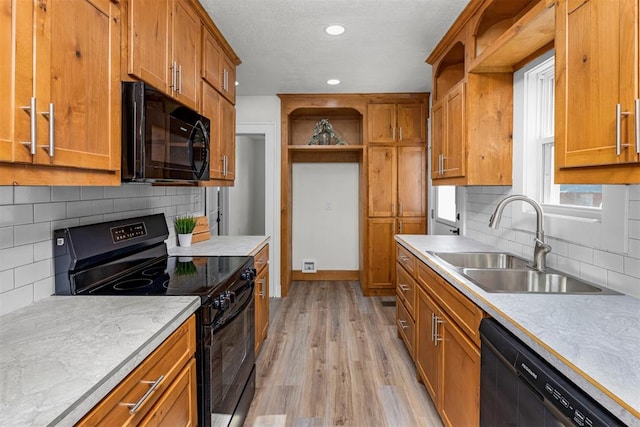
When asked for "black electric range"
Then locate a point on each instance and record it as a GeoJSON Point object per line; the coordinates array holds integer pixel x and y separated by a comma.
{"type": "Point", "coordinates": [129, 257]}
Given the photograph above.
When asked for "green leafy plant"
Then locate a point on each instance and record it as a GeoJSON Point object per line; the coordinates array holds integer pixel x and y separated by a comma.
{"type": "Point", "coordinates": [185, 224]}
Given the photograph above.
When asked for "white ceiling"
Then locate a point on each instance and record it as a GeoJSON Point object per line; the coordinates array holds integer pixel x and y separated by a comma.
{"type": "Point", "coordinates": [284, 49]}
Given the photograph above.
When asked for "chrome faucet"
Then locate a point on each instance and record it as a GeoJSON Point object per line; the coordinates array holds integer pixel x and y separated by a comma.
{"type": "Point", "coordinates": [541, 249]}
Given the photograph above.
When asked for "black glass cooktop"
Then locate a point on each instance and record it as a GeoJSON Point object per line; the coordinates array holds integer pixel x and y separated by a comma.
{"type": "Point", "coordinates": [169, 276]}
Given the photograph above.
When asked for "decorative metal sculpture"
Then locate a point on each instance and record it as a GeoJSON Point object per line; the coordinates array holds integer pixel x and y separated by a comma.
{"type": "Point", "coordinates": [323, 134]}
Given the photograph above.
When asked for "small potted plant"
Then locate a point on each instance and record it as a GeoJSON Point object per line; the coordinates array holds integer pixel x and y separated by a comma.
{"type": "Point", "coordinates": [184, 229]}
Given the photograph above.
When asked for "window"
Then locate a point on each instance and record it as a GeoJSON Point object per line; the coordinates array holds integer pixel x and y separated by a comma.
{"type": "Point", "coordinates": [446, 209]}
{"type": "Point", "coordinates": [565, 199]}
{"type": "Point", "coordinates": [591, 215]}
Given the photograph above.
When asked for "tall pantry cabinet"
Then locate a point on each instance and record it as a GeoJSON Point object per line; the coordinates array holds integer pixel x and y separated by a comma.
{"type": "Point", "coordinates": [396, 170]}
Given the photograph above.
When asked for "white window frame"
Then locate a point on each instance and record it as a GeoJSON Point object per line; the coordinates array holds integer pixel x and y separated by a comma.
{"type": "Point", "coordinates": [604, 228]}
{"type": "Point", "coordinates": [436, 204]}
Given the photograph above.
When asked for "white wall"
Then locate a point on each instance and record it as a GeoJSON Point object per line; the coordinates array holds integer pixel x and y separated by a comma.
{"type": "Point", "coordinates": [619, 271]}
{"type": "Point", "coordinates": [325, 215]}
{"type": "Point", "coordinates": [263, 113]}
{"type": "Point", "coordinates": [29, 215]}
{"type": "Point", "coordinates": [247, 196]}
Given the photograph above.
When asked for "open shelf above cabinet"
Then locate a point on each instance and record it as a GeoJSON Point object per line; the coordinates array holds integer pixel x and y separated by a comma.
{"type": "Point", "coordinates": [503, 42]}
{"type": "Point", "coordinates": [325, 153]}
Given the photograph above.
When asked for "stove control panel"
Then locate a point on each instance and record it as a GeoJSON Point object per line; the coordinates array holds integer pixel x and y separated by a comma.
{"type": "Point", "coordinates": [128, 232]}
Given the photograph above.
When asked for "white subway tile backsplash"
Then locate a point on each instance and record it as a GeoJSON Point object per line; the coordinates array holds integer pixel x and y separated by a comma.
{"type": "Point", "coordinates": [581, 253]}
{"type": "Point", "coordinates": [6, 195]}
{"type": "Point", "coordinates": [91, 193]}
{"type": "Point", "coordinates": [622, 283]}
{"type": "Point", "coordinates": [49, 211]}
{"type": "Point", "coordinates": [65, 194]}
{"type": "Point", "coordinates": [6, 237]}
{"type": "Point", "coordinates": [634, 229]}
{"type": "Point", "coordinates": [632, 267]}
{"type": "Point", "coordinates": [16, 257]}
{"type": "Point", "coordinates": [26, 228]}
{"type": "Point", "coordinates": [44, 288]}
{"type": "Point", "coordinates": [16, 215]}
{"type": "Point", "coordinates": [608, 260]}
{"type": "Point", "coordinates": [592, 273]}
{"type": "Point", "coordinates": [31, 233]}
{"type": "Point", "coordinates": [6, 280]}
{"type": "Point", "coordinates": [32, 272]}
{"type": "Point", "coordinates": [15, 299]}
{"type": "Point", "coordinates": [79, 209]}
{"type": "Point", "coordinates": [32, 195]}
{"type": "Point", "coordinates": [43, 250]}
{"type": "Point", "coordinates": [569, 265]}
{"type": "Point", "coordinates": [634, 209]}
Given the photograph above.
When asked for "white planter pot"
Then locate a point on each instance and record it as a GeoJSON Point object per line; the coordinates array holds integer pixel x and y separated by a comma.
{"type": "Point", "coordinates": [185, 239]}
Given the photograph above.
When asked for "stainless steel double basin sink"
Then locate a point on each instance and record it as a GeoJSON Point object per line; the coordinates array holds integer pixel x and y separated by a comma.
{"type": "Point", "coordinates": [507, 273]}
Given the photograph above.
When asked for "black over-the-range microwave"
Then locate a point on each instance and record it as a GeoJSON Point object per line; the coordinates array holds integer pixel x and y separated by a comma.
{"type": "Point", "coordinates": [162, 140]}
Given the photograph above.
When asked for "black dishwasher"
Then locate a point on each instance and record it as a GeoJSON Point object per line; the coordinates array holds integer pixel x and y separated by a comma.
{"type": "Point", "coordinates": [518, 388]}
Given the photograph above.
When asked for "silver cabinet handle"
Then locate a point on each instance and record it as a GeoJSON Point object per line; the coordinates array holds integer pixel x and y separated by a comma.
{"type": "Point", "coordinates": [400, 226]}
{"type": "Point", "coordinates": [433, 322]}
{"type": "Point", "coordinates": [403, 287]}
{"type": "Point", "coordinates": [179, 79]}
{"type": "Point", "coordinates": [619, 114]}
{"type": "Point", "coordinates": [436, 336]}
{"type": "Point", "coordinates": [393, 135]}
{"type": "Point", "coordinates": [637, 111]}
{"type": "Point", "coordinates": [440, 164]}
{"type": "Point", "coordinates": [403, 324]}
{"type": "Point", "coordinates": [31, 110]}
{"type": "Point", "coordinates": [173, 69]}
{"type": "Point", "coordinates": [403, 258]}
{"type": "Point", "coordinates": [401, 133]}
{"type": "Point", "coordinates": [136, 406]}
{"type": "Point", "coordinates": [50, 114]}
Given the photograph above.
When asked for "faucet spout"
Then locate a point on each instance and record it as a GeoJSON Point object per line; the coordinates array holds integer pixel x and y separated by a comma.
{"type": "Point", "coordinates": [541, 248]}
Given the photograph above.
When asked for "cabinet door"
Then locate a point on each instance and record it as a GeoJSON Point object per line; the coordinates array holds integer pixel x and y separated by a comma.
{"type": "Point", "coordinates": [412, 170]}
{"type": "Point", "coordinates": [262, 308]}
{"type": "Point", "coordinates": [455, 140]}
{"type": "Point", "coordinates": [596, 67]}
{"type": "Point", "coordinates": [149, 42]}
{"type": "Point", "coordinates": [178, 406]}
{"type": "Point", "coordinates": [229, 79]}
{"type": "Point", "coordinates": [212, 58]}
{"type": "Point", "coordinates": [382, 181]}
{"type": "Point", "coordinates": [381, 253]}
{"type": "Point", "coordinates": [460, 405]}
{"type": "Point", "coordinates": [437, 138]}
{"type": "Point", "coordinates": [16, 72]}
{"type": "Point", "coordinates": [412, 126]}
{"type": "Point", "coordinates": [228, 138]}
{"type": "Point", "coordinates": [428, 353]}
{"type": "Point", "coordinates": [211, 109]}
{"type": "Point", "coordinates": [412, 225]}
{"type": "Point", "coordinates": [382, 123]}
{"type": "Point", "coordinates": [78, 73]}
{"type": "Point", "coordinates": [185, 33]}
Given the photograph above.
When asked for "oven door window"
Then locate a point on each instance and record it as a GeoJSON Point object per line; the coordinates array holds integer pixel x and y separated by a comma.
{"type": "Point", "coordinates": [231, 359]}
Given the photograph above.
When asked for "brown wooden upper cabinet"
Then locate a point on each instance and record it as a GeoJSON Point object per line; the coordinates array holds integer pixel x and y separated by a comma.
{"type": "Point", "coordinates": [164, 45]}
{"type": "Point", "coordinates": [397, 123]}
{"type": "Point", "coordinates": [472, 112]}
{"type": "Point", "coordinates": [217, 68]}
{"type": "Point", "coordinates": [63, 124]}
{"type": "Point", "coordinates": [597, 106]}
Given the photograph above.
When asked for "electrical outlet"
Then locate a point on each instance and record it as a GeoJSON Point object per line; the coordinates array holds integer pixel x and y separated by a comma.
{"type": "Point", "coordinates": [308, 265]}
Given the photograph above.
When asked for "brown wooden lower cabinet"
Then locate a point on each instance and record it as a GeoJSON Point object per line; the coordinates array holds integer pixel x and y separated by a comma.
{"type": "Point", "coordinates": [261, 264]}
{"type": "Point", "coordinates": [171, 371]}
{"type": "Point", "coordinates": [447, 355]}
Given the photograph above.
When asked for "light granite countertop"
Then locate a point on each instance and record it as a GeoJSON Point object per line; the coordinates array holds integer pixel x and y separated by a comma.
{"type": "Point", "coordinates": [223, 246]}
{"type": "Point", "coordinates": [60, 356]}
{"type": "Point", "coordinates": [592, 339]}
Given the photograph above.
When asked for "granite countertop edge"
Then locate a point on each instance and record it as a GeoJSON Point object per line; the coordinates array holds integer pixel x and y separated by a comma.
{"type": "Point", "coordinates": [494, 305]}
{"type": "Point", "coordinates": [223, 246]}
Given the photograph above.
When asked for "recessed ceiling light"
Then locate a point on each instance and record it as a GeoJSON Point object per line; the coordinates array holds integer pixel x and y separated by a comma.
{"type": "Point", "coordinates": [333, 82]}
{"type": "Point", "coordinates": [334, 30]}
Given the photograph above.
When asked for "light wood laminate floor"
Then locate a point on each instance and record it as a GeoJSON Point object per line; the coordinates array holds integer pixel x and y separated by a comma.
{"type": "Point", "coordinates": [333, 358]}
